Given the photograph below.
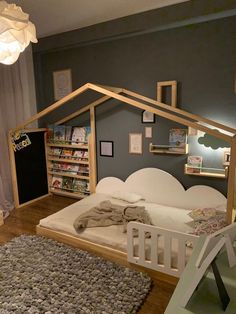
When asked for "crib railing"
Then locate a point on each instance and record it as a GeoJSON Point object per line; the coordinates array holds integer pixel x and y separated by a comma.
{"type": "Point", "coordinates": [159, 249]}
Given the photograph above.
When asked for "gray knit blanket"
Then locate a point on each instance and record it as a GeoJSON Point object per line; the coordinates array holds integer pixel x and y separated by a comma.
{"type": "Point", "coordinates": [107, 214]}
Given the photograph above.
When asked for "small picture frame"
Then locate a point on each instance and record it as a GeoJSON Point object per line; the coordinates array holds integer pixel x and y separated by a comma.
{"type": "Point", "coordinates": [148, 117]}
{"type": "Point", "coordinates": [62, 83]}
{"type": "Point", "coordinates": [135, 143]}
{"type": "Point", "coordinates": [106, 149]}
{"type": "Point", "coordinates": [148, 132]}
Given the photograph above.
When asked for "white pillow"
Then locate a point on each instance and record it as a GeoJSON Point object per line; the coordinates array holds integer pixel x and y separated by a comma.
{"type": "Point", "coordinates": [127, 196]}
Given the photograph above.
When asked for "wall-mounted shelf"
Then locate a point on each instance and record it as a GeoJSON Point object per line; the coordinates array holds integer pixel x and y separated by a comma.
{"type": "Point", "coordinates": [167, 149]}
{"type": "Point", "coordinates": [206, 172]}
{"type": "Point", "coordinates": [78, 146]}
{"type": "Point", "coordinates": [68, 169]}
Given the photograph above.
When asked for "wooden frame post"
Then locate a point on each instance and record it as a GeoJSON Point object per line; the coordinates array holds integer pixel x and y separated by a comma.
{"type": "Point", "coordinates": [13, 170]}
{"type": "Point", "coordinates": [92, 151]}
{"type": "Point", "coordinates": [231, 182]}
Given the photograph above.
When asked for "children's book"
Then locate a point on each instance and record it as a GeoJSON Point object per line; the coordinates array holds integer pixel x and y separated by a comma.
{"type": "Point", "coordinates": [56, 166]}
{"type": "Point", "coordinates": [67, 183]}
{"type": "Point", "coordinates": [80, 186]}
{"type": "Point", "coordinates": [78, 135]}
{"type": "Point", "coordinates": [68, 134]}
{"type": "Point", "coordinates": [77, 154]}
{"type": "Point", "coordinates": [74, 169]}
{"type": "Point", "coordinates": [194, 164]}
{"type": "Point", "coordinates": [56, 152]}
{"type": "Point", "coordinates": [59, 133]}
{"type": "Point", "coordinates": [87, 187]}
{"type": "Point", "coordinates": [66, 153]}
{"type": "Point", "coordinates": [87, 133]}
{"type": "Point", "coordinates": [84, 170]}
{"type": "Point", "coordinates": [56, 182]}
{"type": "Point", "coordinates": [50, 133]}
{"type": "Point", "coordinates": [65, 167]}
{"type": "Point", "coordinates": [178, 139]}
{"type": "Point", "coordinates": [85, 155]}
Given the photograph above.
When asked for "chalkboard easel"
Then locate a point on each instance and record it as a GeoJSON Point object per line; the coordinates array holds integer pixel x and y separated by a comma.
{"type": "Point", "coordinates": [28, 164]}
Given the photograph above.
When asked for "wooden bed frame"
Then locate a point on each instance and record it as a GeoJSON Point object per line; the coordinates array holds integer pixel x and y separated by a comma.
{"type": "Point", "coordinates": [103, 251]}
{"type": "Point", "coordinates": [134, 99]}
{"type": "Point", "coordinates": [155, 180]}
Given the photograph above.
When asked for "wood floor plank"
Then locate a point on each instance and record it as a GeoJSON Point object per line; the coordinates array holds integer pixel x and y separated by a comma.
{"type": "Point", "coordinates": [25, 219]}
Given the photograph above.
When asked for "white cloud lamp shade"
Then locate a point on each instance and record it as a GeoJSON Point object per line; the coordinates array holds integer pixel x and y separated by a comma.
{"type": "Point", "coordinates": [16, 32]}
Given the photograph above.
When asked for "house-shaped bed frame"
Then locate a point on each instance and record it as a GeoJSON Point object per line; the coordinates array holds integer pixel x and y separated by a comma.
{"type": "Point", "coordinates": [134, 99]}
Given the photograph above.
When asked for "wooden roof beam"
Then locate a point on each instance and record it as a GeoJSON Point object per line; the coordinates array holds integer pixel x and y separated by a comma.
{"type": "Point", "coordinates": [84, 109]}
{"type": "Point", "coordinates": [54, 106]}
{"type": "Point", "coordinates": [182, 112]}
{"type": "Point", "coordinates": [158, 112]}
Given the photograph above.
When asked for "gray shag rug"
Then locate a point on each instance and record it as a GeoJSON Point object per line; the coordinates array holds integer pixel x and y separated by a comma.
{"type": "Point", "coordinates": [39, 275]}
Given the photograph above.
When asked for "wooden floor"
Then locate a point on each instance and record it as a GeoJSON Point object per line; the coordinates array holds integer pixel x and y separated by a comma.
{"type": "Point", "coordinates": [25, 219]}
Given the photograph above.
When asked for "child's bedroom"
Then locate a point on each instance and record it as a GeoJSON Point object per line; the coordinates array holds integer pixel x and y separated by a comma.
{"type": "Point", "coordinates": [118, 157]}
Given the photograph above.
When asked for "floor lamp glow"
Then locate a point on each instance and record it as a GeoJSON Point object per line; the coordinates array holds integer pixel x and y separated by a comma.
{"type": "Point", "coordinates": [16, 32]}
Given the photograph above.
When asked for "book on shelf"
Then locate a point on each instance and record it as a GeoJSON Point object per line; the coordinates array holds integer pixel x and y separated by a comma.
{"type": "Point", "coordinates": [66, 153]}
{"type": "Point", "coordinates": [84, 170]}
{"type": "Point", "coordinates": [87, 133]}
{"type": "Point", "coordinates": [67, 183]}
{"type": "Point", "coordinates": [56, 182]}
{"type": "Point", "coordinates": [50, 133]}
{"type": "Point", "coordinates": [80, 186]}
{"type": "Point", "coordinates": [85, 155]}
{"type": "Point", "coordinates": [74, 169]}
{"type": "Point", "coordinates": [68, 133]}
{"type": "Point", "coordinates": [194, 164]}
{"type": "Point", "coordinates": [65, 167]}
{"type": "Point", "coordinates": [59, 133]}
{"type": "Point", "coordinates": [56, 152]}
{"type": "Point", "coordinates": [56, 166]}
{"type": "Point", "coordinates": [80, 135]}
{"type": "Point", "coordinates": [178, 140]}
{"type": "Point", "coordinates": [78, 154]}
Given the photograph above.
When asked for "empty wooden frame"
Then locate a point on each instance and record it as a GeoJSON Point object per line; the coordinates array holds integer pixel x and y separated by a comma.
{"type": "Point", "coordinates": [173, 86]}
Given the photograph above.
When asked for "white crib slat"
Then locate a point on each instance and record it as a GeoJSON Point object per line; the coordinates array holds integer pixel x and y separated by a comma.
{"type": "Point", "coordinates": [141, 246]}
{"type": "Point", "coordinates": [181, 254]}
{"type": "Point", "coordinates": [153, 248]}
{"type": "Point", "coordinates": [130, 243]}
{"type": "Point", "coordinates": [167, 251]}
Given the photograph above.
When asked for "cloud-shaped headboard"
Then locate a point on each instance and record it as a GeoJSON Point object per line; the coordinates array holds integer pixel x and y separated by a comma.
{"type": "Point", "coordinates": [160, 187]}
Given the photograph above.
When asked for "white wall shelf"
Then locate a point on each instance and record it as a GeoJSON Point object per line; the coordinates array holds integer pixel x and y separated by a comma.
{"type": "Point", "coordinates": [206, 172]}
{"type": "Point", "coordinates": [167, 149]}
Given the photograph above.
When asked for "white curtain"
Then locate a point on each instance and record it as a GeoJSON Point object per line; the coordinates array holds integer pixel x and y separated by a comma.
{"type": "Point", "coordinates": [17, 103]}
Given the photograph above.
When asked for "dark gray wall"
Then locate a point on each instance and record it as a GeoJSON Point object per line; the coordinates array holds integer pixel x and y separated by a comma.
{"type": "Point", "coordinates": [201, 57]}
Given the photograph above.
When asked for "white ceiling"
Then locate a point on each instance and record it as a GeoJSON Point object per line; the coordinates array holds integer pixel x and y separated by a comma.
{"type": "Point", "coordinates": [57, 16]}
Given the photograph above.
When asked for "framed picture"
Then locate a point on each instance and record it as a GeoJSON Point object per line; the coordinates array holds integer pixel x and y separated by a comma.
{"type": "Point", "coordinates": [106, 148]}
{"type": "Point", "coordinates": [62, 83]}
{"type": "Point", "coordinates": [135, 143]}
{"type": "Point", "coordinates": [148, 117]}
{"type": "Point", "coordinates": [148, 132]}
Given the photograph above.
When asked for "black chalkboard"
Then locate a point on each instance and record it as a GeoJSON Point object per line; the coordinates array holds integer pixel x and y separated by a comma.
{"type": "Point", "coordinates": [31, 168]}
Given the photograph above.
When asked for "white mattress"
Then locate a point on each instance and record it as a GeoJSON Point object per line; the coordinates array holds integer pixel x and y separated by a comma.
{"type": "Point", "coordinates": [166, 217]}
